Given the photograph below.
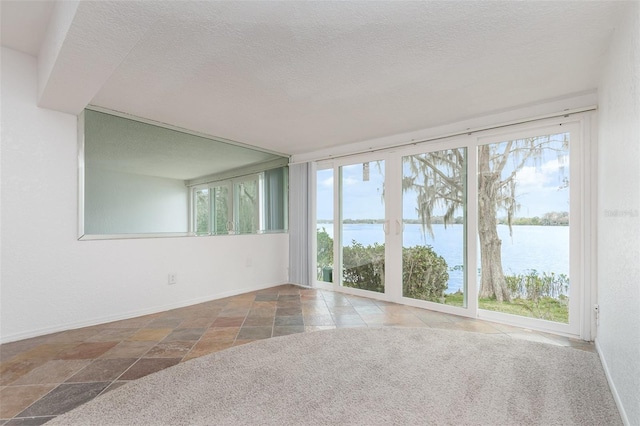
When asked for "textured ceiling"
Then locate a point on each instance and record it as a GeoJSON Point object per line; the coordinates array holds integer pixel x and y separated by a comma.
{"type": "Point", "coordinates": [295, 77]}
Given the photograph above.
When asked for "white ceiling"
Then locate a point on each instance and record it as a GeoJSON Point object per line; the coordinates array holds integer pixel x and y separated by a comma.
{"type": "Point", "coordinates": [24, 24]}
{"type": "Point", "coordinates": [295, 77]}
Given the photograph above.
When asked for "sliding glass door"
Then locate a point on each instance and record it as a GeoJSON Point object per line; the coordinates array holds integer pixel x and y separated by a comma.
{"type": "Point", "coordinates": [526, 224]}
{"type": "Point", "coordinates": [384, 231]}
{"type": "Point", "coordinates": [434, 200]}
{"type": "Point", "coordinates": [363, 225]}
{"type": "Point", "coordinates": [479, 225]}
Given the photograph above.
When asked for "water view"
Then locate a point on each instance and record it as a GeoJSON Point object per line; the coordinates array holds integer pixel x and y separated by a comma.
{"type": "Point", "coordinates": [524, 182]}
{"type": "Point", "coordinates": [543, 248]}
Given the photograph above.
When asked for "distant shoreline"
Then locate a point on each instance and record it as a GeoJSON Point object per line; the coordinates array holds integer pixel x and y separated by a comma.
{"type": "Point", "coordinates": [525, 221]}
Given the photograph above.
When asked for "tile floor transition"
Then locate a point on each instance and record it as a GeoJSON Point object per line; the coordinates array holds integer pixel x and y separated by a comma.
{"type": "Point", "coordinates": [46, 376]}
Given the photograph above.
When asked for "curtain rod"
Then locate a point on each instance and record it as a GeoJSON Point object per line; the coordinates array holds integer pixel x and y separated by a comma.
{"type": "Point", "coordinates": [565, 113]}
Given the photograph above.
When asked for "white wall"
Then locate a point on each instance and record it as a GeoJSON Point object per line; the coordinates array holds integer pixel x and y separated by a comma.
{"type": "Point", "coordinates": [126, 203]}
{"type": "Point", "coordinates": [618, 338]}
{"type": "Point", "coordinates": [49, 280]}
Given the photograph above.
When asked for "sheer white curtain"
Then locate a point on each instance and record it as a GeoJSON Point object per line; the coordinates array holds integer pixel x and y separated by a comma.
{"type": "Point", "coordinates": [300, 222]}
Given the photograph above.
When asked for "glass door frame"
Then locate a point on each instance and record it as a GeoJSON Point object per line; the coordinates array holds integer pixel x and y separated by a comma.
{"type": "Point", "coordinates": [582, 214]}
{"type": "Point", "coordinates": [470, 208]}
{"type": "Point", "coordinates": [578, 263]}
{"type": "Point", "coordinates": [336, 285]}
{"type": "Point", "coordinates": [393, 227]}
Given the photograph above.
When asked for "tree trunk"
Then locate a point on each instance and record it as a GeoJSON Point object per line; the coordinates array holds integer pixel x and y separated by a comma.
{"type": "Point", "coordinates": [492, 281]}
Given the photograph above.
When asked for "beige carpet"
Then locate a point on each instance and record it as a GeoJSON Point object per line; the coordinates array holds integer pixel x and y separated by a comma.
{"type": "Point", "coordinates": [367, 377]}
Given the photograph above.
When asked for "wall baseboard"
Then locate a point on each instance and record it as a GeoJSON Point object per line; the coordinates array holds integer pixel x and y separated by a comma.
{"type": "Point", "coordinates": [614, 391]}
{"type": "Point", "coordinates": [132, 314]}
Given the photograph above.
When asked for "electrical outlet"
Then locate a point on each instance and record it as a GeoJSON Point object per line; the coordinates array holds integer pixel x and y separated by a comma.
{"type": "Point", "coordinates": [596, 308]}
{"type": "Point", "coordinates": [173, 278]}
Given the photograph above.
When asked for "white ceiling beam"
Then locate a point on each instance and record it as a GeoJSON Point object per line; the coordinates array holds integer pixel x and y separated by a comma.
{"type": "Point", "coordinates": [84, 44]}
{"type": "Point", "coordinates": [61, 20]}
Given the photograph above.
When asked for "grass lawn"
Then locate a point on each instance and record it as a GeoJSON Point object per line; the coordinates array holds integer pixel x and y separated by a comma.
{"type": "Point", "coordinates": [546, 308]}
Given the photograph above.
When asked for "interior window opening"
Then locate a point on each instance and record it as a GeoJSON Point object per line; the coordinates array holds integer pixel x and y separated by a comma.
{"type": "Point", "coordinates": [249, 204]}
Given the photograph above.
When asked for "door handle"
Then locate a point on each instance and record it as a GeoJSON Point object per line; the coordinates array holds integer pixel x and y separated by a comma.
{"type": "Point", "coordinates": [385, 227]}
{"type": "Point", "coordinates": [399, 227]}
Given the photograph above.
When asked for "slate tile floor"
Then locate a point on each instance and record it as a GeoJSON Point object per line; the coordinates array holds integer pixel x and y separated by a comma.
{"type": "Point", "coordinates": [46, 376]}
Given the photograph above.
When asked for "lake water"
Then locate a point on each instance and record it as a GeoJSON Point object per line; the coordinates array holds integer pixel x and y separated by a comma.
{"type": "Point", "coordinates": [543, 248]}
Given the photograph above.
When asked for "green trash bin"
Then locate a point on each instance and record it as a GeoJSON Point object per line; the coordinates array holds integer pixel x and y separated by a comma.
{"type": "Point", "coordinates": [327, 274]}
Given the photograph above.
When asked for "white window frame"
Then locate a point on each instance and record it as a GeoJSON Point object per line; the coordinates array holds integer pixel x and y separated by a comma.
{"type": "Point", "coordinates": [232, 204]}
{"type": "Point", "coordinates": [193, 220]}
{"type": "Point", "coordinates": [582, 214]}
{"type": "Point", "coordinates": [258, 178]}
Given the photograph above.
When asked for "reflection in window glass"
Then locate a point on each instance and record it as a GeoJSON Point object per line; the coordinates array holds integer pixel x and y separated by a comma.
{"type": "Point", "coordinates": [247, 200]}
{"type": "Point", "coordinates": [221, 210]}
{"type": "Point", "coordinates": [244, 205]}
{"type": "Point", "coordinates": [275, 187]}
{"type": "Point", "coordinates": [201, 218]}
{"type": "Point", "coordinates": [141, 178]}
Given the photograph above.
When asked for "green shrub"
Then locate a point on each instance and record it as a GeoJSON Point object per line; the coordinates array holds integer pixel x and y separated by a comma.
{"type": "Point", "coordinates": [363, 266]}
{"type": "Point", "coordinates": [325, 251]}
{"type": "Point", "coordinates": [544, 296]}
{"type": "Point", "coordinates": [533, 286]}
{"type": "Point", "coordinates": [425, 275]}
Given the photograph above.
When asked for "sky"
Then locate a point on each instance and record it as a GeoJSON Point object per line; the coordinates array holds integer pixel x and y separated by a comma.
{"type": "Point", "coordinates": [537, 190]}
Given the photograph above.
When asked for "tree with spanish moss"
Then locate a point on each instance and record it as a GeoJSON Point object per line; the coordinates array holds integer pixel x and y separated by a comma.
{"type": "Point", "coordinates": [438, 180]}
